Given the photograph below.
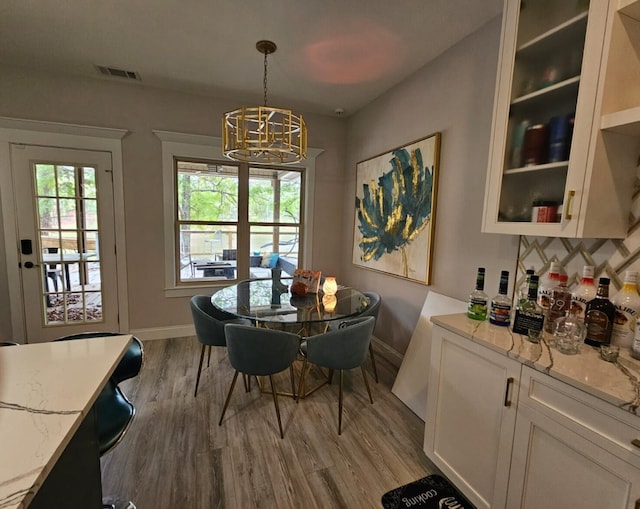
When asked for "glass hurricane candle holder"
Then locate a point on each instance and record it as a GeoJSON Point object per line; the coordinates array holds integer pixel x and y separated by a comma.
{"type": "Point", "coordinates": [330, 286]}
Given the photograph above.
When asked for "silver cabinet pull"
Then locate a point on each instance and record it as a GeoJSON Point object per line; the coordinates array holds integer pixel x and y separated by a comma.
{"type": "Point", "coordinates": [507, 401]}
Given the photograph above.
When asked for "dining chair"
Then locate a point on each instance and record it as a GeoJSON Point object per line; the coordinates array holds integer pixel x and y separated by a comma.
{"type": "Point", "coordinates": [343, 348]}
{"type": "Point", "coordinates": [373, 309]}
{"type": "Point", "coordinates": [114, 411]}
{"type": "Point", "coordinates": [256, 351]}
{"type": "Point", "coordinates": [209, 323]}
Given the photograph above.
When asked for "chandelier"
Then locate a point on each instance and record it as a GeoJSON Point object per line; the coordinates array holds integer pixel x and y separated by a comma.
{"type": "Point", "coordinates": [263, 134]}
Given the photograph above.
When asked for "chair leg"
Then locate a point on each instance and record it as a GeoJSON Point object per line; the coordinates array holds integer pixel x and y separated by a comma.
{"type": "Point", "coordinates": [303, 376]}
{"type": "Point", "coordinates": [226, 401]}
{"type": "Point", "coordinates": [373, 362]}
{"type": "Point", "coordinates": [209, 355]}
{"type": "Point", "coordinates": [195, 393]}
{"type": "Point", "coordinates": [366, 383]}
{"type": "Point", "coordinates": [293, 381]}
{"type": "Point", "coordinates": [340, 404]}
{"type": "Point", "coordinates": [275, 402]}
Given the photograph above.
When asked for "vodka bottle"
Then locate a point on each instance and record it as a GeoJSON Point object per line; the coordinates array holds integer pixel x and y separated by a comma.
{"type": "Point", "coordinates": [599, 316]}
{"type": "Point", "coordinates": [547, 285]}
{"type": "Point", "coordinates": [529, 316]}
{"type": "Point", "coordinates": [584, 293]}
{"type": "Point", "coordinates": [559, 303]}
{"type": "Point", "coordinates": [477, 307]}
{"type": "Point", "coordinates": [627, 303]}
{"type": "Point", "coordinates": [500, 313]}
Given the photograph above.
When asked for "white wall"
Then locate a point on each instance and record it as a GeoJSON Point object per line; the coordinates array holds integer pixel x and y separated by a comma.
{"type": "Point", "coordinates": [452, 95]}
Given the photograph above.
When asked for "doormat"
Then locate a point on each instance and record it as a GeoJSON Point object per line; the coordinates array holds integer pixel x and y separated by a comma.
{"type": "Point", "coordinates": [432, 492]}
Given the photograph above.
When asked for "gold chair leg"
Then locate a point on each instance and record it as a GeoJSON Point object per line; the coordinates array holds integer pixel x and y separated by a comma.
{"type": "Point", "coordinates": [373, 362]}
{"type": "Point", "coordinates": [199, 370]}
{"type": "Point", "coordinates": [303, 375]}
{"type": "Point", "coordinates": [226, 401]}
{"type": "Point", "coordinates": [366, 383]}
{"type": "Point", "coordinates": [209, 356]}
{"type": "Point", "coordinates": [275, 402]}
{"type": "Point", "coordinates": [293, 381]}
{"type": "Point", "coordinates": [340, 404]}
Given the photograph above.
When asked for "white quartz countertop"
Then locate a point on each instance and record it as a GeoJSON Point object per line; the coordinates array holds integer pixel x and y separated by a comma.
{"type": "Point", "coordinates": [618, 383]}
{"type": "Point", "coordinates": [46, 390]}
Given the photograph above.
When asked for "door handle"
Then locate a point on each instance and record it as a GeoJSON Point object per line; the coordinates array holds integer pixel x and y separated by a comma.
{"type": "Point", "coordinates": [30, 265]}
{"type": "Point", "coordinates": [507, 400]}
{"type": "Point", "coordinates": [567, 209]}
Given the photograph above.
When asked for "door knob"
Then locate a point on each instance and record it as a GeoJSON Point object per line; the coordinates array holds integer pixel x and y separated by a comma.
{"type": "Point", "coordinates": [30, 265]}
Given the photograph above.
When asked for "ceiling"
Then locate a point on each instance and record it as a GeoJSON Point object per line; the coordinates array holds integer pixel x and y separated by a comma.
{"type": "Point", "coordinates": [331, 53]}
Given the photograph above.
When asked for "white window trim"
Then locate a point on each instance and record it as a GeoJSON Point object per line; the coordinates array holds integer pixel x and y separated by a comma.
{"type": "Point", "coordinates": [180, 145]}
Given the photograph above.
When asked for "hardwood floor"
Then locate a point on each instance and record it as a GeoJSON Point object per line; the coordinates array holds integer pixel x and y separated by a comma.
{"type": "Point", "coordinates": [176, 456]}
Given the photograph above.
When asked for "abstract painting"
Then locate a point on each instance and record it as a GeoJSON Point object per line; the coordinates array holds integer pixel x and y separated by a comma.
{"type": "Point", "coordinates": [395, 210]}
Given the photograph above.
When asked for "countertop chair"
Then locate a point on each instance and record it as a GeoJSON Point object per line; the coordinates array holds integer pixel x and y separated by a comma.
{"type": "Point", "coordinates": [373, 309]}
{"type": "Point", "coordinates": [209, 323]}
{"type": "Point", "coordinates": [114, 412]}
{"type": "Point", "coordinates": [341, 348]}
{"type": "Point", "coordinates": [256, 351]}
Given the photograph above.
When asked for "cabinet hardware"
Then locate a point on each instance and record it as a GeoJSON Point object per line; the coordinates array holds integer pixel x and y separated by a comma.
{"type": "Point", "coordinates": [567, 209]}
{"type": "Point", "coordinates": [638, 504]}
{"type": "Point", "coordinates": [636, 442]}
{"type": "Point", "coordinates": [507, 401]}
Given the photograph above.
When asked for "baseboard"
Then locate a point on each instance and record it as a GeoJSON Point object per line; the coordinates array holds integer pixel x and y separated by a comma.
{"type": "Point", "coordinates": [177, 331]}
{"type": "Point", "coordinates": [390, 354]}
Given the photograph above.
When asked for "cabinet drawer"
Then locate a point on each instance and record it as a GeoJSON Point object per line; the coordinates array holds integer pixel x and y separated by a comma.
{"type": "Point", "coordinates": [594, 419]}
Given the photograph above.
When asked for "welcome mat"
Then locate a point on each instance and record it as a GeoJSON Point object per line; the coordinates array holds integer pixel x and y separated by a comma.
{"type": "Point", "coordinates": [432, 492]}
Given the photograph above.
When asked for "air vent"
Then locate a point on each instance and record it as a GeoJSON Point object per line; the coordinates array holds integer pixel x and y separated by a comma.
{"type": "Point", "coordinates": [118, 73]}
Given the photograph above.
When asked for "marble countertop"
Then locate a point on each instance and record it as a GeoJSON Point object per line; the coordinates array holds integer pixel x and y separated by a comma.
{"type": "Point", "coordinates": [617, 383]}
{"type": "Point", "coordinates": [46, 390]}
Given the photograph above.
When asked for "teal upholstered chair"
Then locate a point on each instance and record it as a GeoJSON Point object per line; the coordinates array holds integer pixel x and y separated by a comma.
{"type": "Point", "coordinates": [342, 348]}
{"type": "Point", "coordinates": [373, 309]}
{"type": "Point", "coordinates": [209, 323]}
{"type": "Point", "coordinates": [114, 412]}
{"type": "Point", "coordinates": [256, 351]}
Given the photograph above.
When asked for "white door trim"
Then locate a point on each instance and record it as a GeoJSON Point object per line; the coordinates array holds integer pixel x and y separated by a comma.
{"type": "Point", "coordinates": [52, 134]}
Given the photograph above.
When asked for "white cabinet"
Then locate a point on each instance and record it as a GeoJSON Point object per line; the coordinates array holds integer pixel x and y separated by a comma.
{"type": "Point", "coordinates": [561, 61]}
{"type": "Point", "coordinates": [471, 409]}
{"type": "Point", "coordinates": [571, 450]}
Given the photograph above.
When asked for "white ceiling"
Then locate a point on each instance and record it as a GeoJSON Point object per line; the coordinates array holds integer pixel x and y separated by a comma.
{"type": "Point", "coordinates": [331, 53]}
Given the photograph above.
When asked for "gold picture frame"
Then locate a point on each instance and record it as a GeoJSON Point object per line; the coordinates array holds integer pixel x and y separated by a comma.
{"type": "Point", "coordinates": [395, 210]}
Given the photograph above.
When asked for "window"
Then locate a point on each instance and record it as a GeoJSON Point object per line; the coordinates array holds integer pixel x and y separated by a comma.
{"type": "Point", "coordinates": [212, 221]}
{"type": "Point", "coordinates": [266, 225]}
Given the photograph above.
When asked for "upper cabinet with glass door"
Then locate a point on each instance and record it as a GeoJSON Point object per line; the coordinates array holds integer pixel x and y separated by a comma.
{"type": "Point", "coordinates": [550, 172]}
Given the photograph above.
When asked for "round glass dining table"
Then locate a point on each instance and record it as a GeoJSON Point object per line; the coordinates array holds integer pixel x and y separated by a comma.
{"type": "Point", "coordinates": [269, 303]}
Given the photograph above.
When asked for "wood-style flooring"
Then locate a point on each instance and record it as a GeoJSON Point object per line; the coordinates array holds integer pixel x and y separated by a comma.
{"type": "Point", "coordinates": [176, 456]}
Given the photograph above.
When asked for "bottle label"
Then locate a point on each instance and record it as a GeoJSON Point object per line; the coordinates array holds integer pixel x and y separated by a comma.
{"type": "Point", "coordinates": [500, 314]}
{"type": "Point", "coordinates": [544, 298]}
{"type": "Point", "coordinates": [477, 309]}
{"type": "Point", "coordinates": [525, 321]}
{"type": "Point", "coordinates": [579, 307]}
{"type": "Point", "coordinates": [597, 324]}
{"type": "Point", "coordinates": [635, 346]}
{"type": "Point", "coordinates": [624, 327]}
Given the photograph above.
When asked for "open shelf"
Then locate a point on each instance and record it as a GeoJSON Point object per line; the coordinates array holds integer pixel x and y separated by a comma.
{"type": "Point", "coordinates": [630, 7]}
{"type": "Point", "coordinates": [622, 122]}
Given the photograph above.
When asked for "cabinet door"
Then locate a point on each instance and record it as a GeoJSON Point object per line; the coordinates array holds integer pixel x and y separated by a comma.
{"type": "Point", "coordinates": [548, 75]}
{"type": "Point", "coordinates": [471, 406]}
{"type": "Point", "coordinates": [554, 468]}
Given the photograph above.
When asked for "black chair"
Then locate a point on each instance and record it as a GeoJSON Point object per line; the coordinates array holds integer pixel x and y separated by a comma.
{"type": "Point", "coordinates": [373, 309]}
{"type": "Point", "coordinates": [114, 412]}
{"type": "Point", "coordinates": [342, 348]}
{"type": "Point", "coordinates": [256, 351]}
{"type": "Point", "coordinates": [209, 323]}
{"type": "Point", "coordinates": [54, 272]}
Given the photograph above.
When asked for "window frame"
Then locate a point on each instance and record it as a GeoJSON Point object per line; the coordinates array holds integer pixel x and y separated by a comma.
{"type": "Point", "coordinates": [208, 148]}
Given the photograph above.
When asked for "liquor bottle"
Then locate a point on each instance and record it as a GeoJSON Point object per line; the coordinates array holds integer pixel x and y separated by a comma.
{"type": "Point", "coordinates": [547, 285]}
{"type": "Point", "coordinates": [584, 293]}
{"type": "Point", "coordinates": [635, 346]}
{"type": "Point", "coordinates": [627, 303]}
{"type": "Point", "coordinates": [523, 290]}
{"type": "Point", "coordinates": [529, 317]}
{"type": "Point", "coordinates": [599, 316]}
{"type": "Point", "coordinates": [500, 313]}
{"type": "Point", "coordinates": [559, 303]}
{"type": "Point", "coordinates": [477, 307]}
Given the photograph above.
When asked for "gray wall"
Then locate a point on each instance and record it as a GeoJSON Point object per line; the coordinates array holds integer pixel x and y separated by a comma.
{"type": "Point", "coordinates": [452, 95]}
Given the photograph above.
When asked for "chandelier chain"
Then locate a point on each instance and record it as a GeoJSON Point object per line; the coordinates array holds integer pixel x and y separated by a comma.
{"type": "Point", "coordinates": [265, 78]}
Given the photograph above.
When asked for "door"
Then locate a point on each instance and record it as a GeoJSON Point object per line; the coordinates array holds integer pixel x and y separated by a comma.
{"type": "Point", "coordinates": [65, 222]}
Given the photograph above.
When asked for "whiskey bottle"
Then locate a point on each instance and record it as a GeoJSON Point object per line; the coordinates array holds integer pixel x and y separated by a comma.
{"type": "Point", "coordinates": [559, 303]}
{"type": "Point", "coordinates": [599, 316]}
{"type": "Point", "coordinates": [500, 313]}
{"type": "Point", "coordinates": [477, 305]}
{"type": "Point", "coordinates": [529, 317]}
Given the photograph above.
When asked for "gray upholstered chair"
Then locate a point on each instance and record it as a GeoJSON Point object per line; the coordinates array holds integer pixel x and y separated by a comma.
{"type": "Point", "coordinates": [373, 309]}
{"type": "Point", "coordinates": [209, 322]}
{"type": "Point", "coordinates": [342, 348]}
{"type": "Point", "coordinates": [256, 351]}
